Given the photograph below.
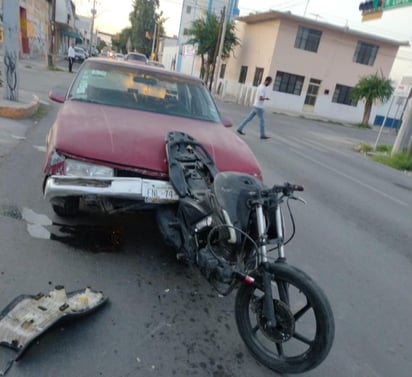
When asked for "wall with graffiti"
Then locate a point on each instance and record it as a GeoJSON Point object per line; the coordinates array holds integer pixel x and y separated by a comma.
{"type": "Point", "coordinates": [34, 27]}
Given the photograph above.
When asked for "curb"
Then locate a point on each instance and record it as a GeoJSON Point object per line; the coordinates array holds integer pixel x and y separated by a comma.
{"type": "Point", "coordinates": [19, 110]}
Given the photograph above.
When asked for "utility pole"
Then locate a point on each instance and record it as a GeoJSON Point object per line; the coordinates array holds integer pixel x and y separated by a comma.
{"type": "Point", "coordinates": [50, 56]}
{"type": "Point", "coordinates": [306, 8]}
{"type": "Point", "coordinates": [152, 55]}
{"type": "Point", "coordinates": [11, 49]}
{"type": "Point", "coordinates": [92, 27]}
{"type": "Point", "coordinates": [221, 44]}
{"type": "Point", "coordinates": [404, 138]}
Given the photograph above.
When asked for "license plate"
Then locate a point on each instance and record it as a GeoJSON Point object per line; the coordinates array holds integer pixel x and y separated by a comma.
{"type": "Point", "coordinates": [158, 191]}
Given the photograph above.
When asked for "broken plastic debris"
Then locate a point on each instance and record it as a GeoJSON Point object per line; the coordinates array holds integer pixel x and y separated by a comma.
{"type": "Point", "coordinates": [28, 316]}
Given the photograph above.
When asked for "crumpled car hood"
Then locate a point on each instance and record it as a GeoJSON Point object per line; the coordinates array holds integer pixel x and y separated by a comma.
{"type": "Point", "coordinates": [136, 139]}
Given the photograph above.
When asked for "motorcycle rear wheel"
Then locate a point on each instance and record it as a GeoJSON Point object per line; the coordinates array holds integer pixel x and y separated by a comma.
{"type": "Point", "coordinates": [305, 327]}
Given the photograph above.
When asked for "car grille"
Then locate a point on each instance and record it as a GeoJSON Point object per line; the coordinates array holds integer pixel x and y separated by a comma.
{"type": "Point", "coordinates": [132, 174]}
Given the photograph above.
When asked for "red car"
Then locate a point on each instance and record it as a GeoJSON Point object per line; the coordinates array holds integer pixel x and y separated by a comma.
{"type": "Point", "coordinates": [107, 145]}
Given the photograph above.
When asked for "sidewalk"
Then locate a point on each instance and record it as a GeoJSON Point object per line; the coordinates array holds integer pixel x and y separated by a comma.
{"type": "Point", "coordinates": [12, 129]}
{"type": "Point", "coordinates": [28, 102]}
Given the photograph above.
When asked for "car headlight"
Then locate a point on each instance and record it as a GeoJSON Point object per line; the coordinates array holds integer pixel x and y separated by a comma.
{"type": "Point", "coordinates": [84, 169]}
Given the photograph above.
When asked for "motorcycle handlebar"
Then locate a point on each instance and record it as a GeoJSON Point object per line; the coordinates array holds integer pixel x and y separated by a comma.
{"type": "Point", "coordinates": [286, 189]}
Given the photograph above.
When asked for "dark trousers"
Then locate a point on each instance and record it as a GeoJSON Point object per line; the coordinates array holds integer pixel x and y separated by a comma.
{"type": "Point", "coordinates": [70, 64]}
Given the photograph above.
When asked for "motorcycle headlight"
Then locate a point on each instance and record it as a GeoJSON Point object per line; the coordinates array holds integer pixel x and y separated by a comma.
{"type": "Point", "coordinates": [84, 169]}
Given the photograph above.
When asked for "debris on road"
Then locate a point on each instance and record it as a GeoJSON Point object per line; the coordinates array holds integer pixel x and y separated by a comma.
{"type": "Point", "coordinates": [29, 316]}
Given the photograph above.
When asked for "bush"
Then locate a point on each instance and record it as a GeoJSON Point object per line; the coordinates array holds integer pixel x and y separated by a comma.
{"type": "Point", "coordinates": [365, 148]}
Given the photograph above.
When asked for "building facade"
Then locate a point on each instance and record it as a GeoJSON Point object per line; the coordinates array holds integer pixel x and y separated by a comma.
{"type": "Point", "coordinates": [33, 29]}
{"type": "Point", "coordinates": [191, 11]}
{"type": "Point", "coordinates": [36, 26]}
{"type": "Point", "coordinates": [314, 65]}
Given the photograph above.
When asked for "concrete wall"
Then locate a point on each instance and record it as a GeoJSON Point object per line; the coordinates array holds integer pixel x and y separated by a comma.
{"type": "Point", "coordinates": [269, 44]}
{"type": "Point", "coordinates": [37, 26]}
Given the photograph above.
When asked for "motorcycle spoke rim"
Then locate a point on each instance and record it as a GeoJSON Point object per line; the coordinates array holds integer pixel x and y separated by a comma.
{"type": "Point", "coordinates": [304, 334]}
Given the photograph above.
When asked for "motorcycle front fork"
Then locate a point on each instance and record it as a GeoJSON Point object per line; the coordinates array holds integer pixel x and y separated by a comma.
{"type": "Point", "coordinates": [269, 308]}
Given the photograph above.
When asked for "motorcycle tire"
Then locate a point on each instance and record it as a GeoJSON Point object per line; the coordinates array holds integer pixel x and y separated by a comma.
{"type": "Point", "coordinates": [305, 327]}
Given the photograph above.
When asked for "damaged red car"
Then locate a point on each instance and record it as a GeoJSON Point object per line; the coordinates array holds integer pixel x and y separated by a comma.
{"type": "Point", "coordinates": [106, 148]}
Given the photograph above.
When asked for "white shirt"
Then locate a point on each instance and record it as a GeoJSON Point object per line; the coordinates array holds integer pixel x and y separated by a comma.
{"type": "Point", "coordinates": [71, 53]}
{"type": "Point", "coordinates": [260, 92]}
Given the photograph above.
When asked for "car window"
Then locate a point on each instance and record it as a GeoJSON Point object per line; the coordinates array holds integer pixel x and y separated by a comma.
{"type": "Point", "coordinates": [143, 90]}
{"type": "Point", "coordinates": [141, 58]}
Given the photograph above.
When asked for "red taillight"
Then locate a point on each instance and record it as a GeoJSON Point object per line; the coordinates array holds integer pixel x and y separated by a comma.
{"type": "Point", "coordinates": [248, 279]}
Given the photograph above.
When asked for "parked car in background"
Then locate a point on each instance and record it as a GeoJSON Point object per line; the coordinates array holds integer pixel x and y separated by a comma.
{"type": "Point", "coordinates": [136, 57]}
{"type": "Point", "coordinates": [85, 49]}
{"type": "Point", "coordinates": [80, 55]}
{"type": "Point", "coordinates": [118, 56]}
{"type": "Point", "coordinates": [106, 148]}
{"type": "Point", "coordinates": [155, 63]}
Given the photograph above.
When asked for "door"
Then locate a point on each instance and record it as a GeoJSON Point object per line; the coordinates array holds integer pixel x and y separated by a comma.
{"type": "Point", "coordinates": [311, 95]}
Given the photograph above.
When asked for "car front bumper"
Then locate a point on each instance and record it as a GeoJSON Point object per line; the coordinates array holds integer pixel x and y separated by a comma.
{"type": "Point", "coordinates": [147, 190]}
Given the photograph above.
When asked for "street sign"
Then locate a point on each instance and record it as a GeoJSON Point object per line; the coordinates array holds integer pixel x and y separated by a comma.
{"type": "Point", "coordinates": [402, 91]}
{"type": "Point", "coordinates": [389, 4]}
{"type": "Point", "coordinates": [373, 9]}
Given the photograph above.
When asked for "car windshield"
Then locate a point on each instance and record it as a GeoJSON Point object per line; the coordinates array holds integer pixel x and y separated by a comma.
{"type": "Point", "coordinates": [143, 90]}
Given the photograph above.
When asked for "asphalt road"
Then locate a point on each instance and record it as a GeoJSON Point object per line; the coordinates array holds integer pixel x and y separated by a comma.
{"type": "Point", "coordinates": [162, 319]}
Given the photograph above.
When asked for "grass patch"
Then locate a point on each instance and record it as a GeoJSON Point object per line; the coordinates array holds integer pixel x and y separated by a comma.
{"type": "Point", "coordinates": [400, 161]}
{"type": "Point", "coordinates": [330, 121]}
{"type": "Point", "coordinates": [55, 68]}
{"type": "Point", "coordinates": [384, 148]}
{"type": "Point", "coordinates": [362, 125]}
{"type": "Point", "coordinates": [40, 113]}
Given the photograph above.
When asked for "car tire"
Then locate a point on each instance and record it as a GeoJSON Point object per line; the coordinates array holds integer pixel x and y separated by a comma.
{"type": "Point", "coordinates": [67, 207]}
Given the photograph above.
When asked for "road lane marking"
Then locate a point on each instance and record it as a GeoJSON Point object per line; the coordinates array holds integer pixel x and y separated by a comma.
{"type": "Point", "coordinates": [369, 187]}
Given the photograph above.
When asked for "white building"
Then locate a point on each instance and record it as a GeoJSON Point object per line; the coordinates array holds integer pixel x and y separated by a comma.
{"type": "Point", "coordinates": [191, 11]}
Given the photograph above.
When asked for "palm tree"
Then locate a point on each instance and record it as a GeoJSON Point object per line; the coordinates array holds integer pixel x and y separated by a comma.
{"type": "Point", "coordinates": [205, 33]}
{"type": "Point", "coordinates": [370, 89]}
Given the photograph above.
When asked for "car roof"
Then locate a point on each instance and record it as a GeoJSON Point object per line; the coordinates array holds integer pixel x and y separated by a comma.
{"type": "Point", "coordinates": [137, 53]}
{"type": "Point", "coordinates": [141, 67]}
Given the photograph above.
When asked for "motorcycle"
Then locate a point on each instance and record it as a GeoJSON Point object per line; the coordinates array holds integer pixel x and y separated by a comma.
{"type": "Point", "coordinates": [226, 223]}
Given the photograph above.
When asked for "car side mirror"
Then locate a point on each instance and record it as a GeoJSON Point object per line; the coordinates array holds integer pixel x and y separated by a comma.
{"type": "Point", "coordinates": [227, 122]}
{"type": "Point", "coordinates": [58, 94]}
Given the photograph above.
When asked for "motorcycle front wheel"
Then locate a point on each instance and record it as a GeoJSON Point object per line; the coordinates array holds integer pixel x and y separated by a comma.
{"type": "Point", "coordinates": [305, 327]}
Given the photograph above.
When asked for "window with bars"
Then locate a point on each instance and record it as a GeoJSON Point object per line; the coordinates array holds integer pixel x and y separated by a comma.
{"type": "Point", "coordinates": [342, 94]}
{"type": "Point", "coordinates": [365, 53]}
{"type": "Point", "coordinates": [243, 74]}
{"type": "Point", "coordinates": [288, 83]}
{"type": "Point", "coordinates": [308, 39]}
{"type": "Point", "coordinates": [258, 76]}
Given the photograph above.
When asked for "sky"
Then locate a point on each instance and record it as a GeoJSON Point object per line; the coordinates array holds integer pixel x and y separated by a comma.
{"type": "Point", "coordinates": [113, 15]}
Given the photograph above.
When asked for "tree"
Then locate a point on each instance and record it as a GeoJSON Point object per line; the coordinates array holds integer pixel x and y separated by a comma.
{"type": "Point", "coordinates": [119, 41]}
{"type": "Point", "coordinates": [205, 33]}
{"type": "Point", "coordinates": [145, 19]}
{"type": "Point", "coordinates": [370, 89]}
{"type": "Point", "coordinates": [101, 44]}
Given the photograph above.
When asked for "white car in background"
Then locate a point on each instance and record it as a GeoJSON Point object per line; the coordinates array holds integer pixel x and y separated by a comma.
{"type": "Point", "coordinates": [80, 54]}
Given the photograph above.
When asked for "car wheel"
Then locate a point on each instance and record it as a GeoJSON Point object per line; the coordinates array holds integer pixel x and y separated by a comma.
{"type": "Point", "coordinates": [67, 207]}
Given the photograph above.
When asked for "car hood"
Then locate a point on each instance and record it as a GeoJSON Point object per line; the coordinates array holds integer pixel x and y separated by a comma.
{"type": "Point", "coordinates": [135, 139]}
